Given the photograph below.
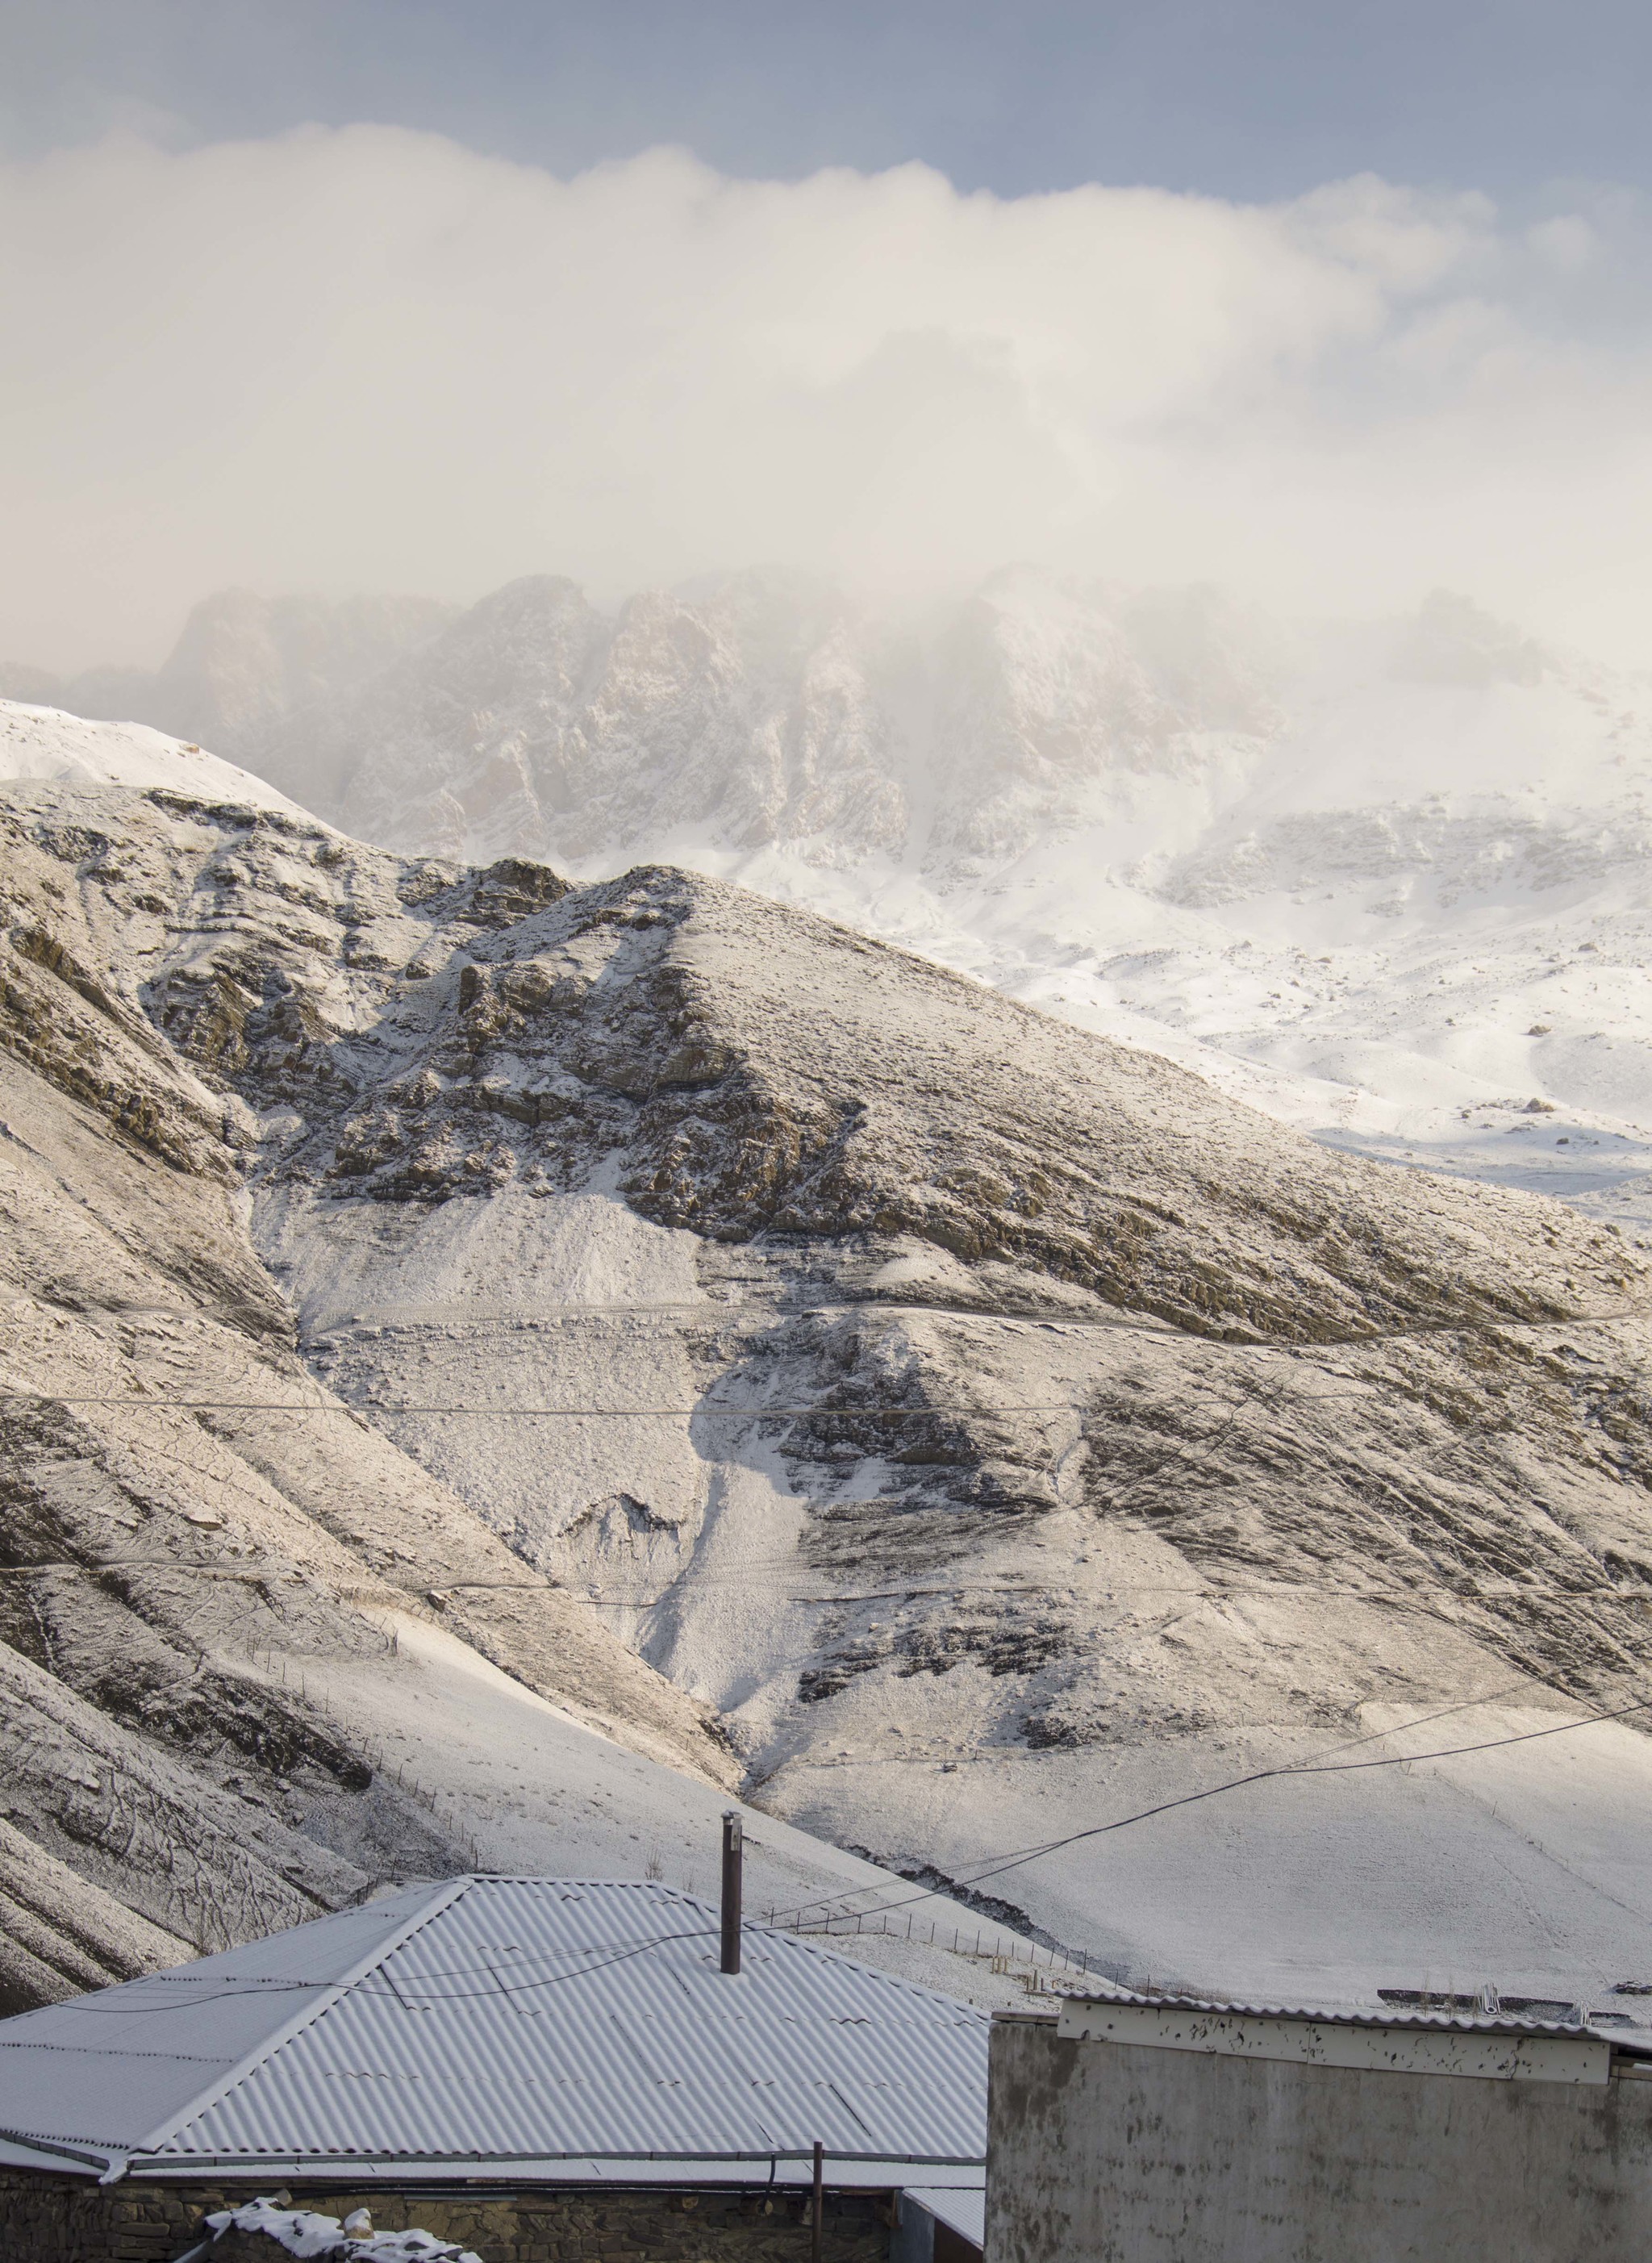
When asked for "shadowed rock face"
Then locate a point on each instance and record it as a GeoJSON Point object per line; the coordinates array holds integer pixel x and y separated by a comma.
{"type": "Point", "coordinates": [884, 1359]}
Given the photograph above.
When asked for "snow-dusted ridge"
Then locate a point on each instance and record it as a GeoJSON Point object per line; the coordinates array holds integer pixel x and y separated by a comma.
{"type": "Point", "coordinates": [45, 743]}
{"type": "Point", "coordinates": [967, 1428]}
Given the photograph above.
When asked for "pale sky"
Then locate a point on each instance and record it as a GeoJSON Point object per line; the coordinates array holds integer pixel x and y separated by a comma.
{"type": "Point", "coordinates": [1332, 303]}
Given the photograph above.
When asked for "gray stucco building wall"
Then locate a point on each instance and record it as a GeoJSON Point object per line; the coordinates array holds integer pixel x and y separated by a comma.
{"type": "Point", "coordinates": [1102, 2151]}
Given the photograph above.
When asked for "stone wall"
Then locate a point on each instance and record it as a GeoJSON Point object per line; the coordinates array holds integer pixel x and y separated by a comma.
{"type": "Point", "coordinates": [51, 2219]}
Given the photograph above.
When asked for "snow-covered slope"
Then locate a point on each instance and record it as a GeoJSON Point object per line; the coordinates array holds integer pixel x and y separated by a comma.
{"type": "Point", "coordinates": [254, 1659]}
{"type": "Point", "coordinates": [995, 1430]}
{"type": "Point", "coordinates": [1386, 882]}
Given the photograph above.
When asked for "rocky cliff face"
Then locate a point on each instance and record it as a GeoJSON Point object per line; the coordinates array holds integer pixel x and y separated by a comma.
{"type": "Point", "coordinates": [169, 1569]}
{"type": "Point", "coordinates": [908, 1383]}
{"type": "Point", "coordinates": [773, 709]}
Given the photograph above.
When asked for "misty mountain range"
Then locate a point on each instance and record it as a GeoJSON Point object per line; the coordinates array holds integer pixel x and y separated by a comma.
{"type": "Point", "coordinates": [1381, 880]}
{"type": "Point", "coordinates": [773, 709]}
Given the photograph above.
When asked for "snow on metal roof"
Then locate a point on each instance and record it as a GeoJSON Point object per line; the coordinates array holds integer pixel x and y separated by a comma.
{"type": "Point", "coordinates": [530, 2024]}
{"type": "Point", "coordinates": [1539, 2052]}
{"type": "Point", "coordinates": [1347, 2015]}
{"type": "Point", "coordinates": [960, 2206]}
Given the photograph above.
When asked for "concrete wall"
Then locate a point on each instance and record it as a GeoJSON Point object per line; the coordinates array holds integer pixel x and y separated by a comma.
{"type": "Point", "coordinates": [50, 2219]}
{"type": "Point", "coordinates": [1106, 2153]}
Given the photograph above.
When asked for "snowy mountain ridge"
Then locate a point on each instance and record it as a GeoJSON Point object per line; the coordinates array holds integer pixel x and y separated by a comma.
{"type": "Point", "coordinates": [641, 1303]}
{"type": "Point", "coordinates": [1382, 881]}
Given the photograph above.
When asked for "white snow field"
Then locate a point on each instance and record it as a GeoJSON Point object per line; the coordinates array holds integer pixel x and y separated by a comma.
{"type": "Point", "coordinates": [1529, 1866]}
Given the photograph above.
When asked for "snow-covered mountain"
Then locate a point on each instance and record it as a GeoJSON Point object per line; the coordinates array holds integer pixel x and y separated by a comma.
{"type": "Point", "coordinates": [967, 1429]}
{"type": "Point", "coordinates": [254, 1659]}
{"type": "Point", "coordinates": [1385, 882]}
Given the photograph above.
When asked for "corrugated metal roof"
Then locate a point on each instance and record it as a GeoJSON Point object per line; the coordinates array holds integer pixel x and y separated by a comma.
{"type": "Point", "coordinates": [519, 2020]}
{"type": "Point", "coordinates": [1487, 2023]}
{"type": "Point", "coordinates": [962, 2207]}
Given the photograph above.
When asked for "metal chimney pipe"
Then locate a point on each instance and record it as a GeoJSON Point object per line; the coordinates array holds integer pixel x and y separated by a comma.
{"type": "Point", "coordinates": [733, 1854]}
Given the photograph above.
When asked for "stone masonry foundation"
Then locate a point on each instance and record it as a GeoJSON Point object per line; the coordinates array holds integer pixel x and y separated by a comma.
{"type": "Point", "coordinates": [69, 2219]}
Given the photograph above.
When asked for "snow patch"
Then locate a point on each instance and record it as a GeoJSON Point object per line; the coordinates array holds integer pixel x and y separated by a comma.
{"type": "Point", "coordinates": [302, 2232]}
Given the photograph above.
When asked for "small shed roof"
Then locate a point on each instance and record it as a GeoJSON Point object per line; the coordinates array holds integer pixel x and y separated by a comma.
{"type": "Point", "coordinates": [1496, 2044]}
{"type": "Point", "coordinates": [537, 2028]}
{"type": "Point", "coordinates": [1505, 2021]}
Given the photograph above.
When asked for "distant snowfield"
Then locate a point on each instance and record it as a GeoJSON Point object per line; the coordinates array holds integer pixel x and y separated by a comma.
{"type": "Point", "coordinates": [1419, 1035]}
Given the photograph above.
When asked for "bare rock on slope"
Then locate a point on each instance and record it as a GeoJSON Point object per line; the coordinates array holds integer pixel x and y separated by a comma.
{"type": "Point", "coordinates": [744, 1069]}
{"type": "Point", "coordinates": [769, 708]}
{"type": "Point", "coordinates": [59, 1934]}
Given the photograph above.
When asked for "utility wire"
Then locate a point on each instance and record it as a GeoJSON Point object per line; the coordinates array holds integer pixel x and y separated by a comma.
{"type": "Point", "coordinates": [410, 1988]}
{"type": "Point", "coordinates": [1249, 1394]}
{"type": "Point", "coordinates": [439, 1584]}
{"type": "Point", "coordinates": [1344, 1744]}
{"type": "Point", "coordinates": [996, 1866]}
{"type": "Point", "coordinates": [535, 1414]}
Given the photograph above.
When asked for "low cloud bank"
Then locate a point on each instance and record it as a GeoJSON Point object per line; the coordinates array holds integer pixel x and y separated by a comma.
{"type": "Point", "coordinates": [370, 358]}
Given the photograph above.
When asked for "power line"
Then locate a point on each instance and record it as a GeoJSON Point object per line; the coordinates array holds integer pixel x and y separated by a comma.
{"type": "Point", "coordinates": [1331, 1768]}
{"type": "Point", "coordinates": [996, 1866]}
{"type": "Point", "coordinates": [597, 1414]}
{"type": "Point", "coordinates": [410, 1988]}
{"type": "Point", "coordinates": [249, 1573]}
{"type": "Point", "coordinates": [1344, 1744]}
{"type": "Point", "coordinates": [1249, 1394]}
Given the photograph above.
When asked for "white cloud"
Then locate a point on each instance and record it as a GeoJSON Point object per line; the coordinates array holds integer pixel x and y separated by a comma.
{"type": "Point", "coordinates": [371, 358]}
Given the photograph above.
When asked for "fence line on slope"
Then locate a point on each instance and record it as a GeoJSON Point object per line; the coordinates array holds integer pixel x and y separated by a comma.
{"type": "Point", "coordinates": [992, 1945]}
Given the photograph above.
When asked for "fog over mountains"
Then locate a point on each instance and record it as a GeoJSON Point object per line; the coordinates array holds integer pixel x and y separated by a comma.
{"type": "Point", "coordinates": [1380, 880]}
